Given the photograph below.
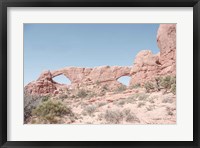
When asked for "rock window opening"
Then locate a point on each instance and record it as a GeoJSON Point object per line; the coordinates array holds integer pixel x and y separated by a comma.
{"type": "Point", "coordinates": [61, 79]}
{"type": "Point", "coordinates": [125, 80]}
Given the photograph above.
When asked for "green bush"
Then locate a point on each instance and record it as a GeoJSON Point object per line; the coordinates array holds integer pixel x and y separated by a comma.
{"type": "Point", "coordinates": [113, 117]}
{"type": "Point", "coordinates": [31, 102]}
{"type": "Point", "coordinates": [82, 93]}
{"type": "Point", "coordinates": [143, 96]}
{"type": "Point", "coordinates": [117, 116]}
{"type": "Point", "coordinates": [149, 86]}
{"type": "Point", "coordinates": [50, 110]}
{"type": "Point", "coordinates": [122, 101]}
{"type": "Point", "coordinates": [131, 117]}
{"type": "Point", "coordinates": [63, 96]}
{"type": "Point", "coordinates": [168, 83]}
{"type": "Point", "coordinates": [137, 85]}
{"type": "Point", "coordinates": [173, 88]}
{"type": "Point", "coordinates": [100, 104]}
{"type": "Point", "coordinates": [90, 109]}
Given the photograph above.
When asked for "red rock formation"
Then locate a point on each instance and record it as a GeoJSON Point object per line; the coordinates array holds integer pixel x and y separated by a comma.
{"type": "Point", "coordinates": [103, 74]}
{"type": "Point", "coordinates": [166, 40]}
{"type": "Point", "coordinates": [43, 85]}
{"type": "Point", "coordinates": [146, 67]}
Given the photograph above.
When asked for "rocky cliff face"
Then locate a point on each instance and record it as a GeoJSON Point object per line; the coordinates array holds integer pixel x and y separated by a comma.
{"type": "Point", "coordinates": [146, 66]}
{"type": "Point", "coordinates": [166, 40]}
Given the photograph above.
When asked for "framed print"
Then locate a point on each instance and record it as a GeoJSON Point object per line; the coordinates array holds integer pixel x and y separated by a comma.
{"type": "Point", "coordinates": [99, 73]}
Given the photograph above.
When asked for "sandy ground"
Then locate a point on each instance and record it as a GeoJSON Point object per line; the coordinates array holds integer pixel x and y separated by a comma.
{"type": "Point", "coordinates": [132, 106]}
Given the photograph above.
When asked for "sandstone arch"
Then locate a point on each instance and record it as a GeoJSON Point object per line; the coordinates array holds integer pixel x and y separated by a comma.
{"type": "Point", "coordinates": [146, 67]}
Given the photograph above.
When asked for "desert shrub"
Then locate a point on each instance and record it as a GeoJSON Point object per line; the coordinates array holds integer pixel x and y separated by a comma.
{"type": "Point", "coordinates": [89, 109]}
{"type": "Point", "coordinates": [31, 102]}
{"type": "Point", "coordinates": [126, 111]}
{"type": "Point", "coordinates": [120, 89]}
{"type": "Point", "coordinates": [169, 111]}
{"type": "Point", "coordinates": [102, 93]}
{"type": "Point", "coordinates": [113, 117]}
{"type": "Point", "coordinates": [105, 87]}
{"type": "Point", "coordinates": [97, 82]}
{"type": "Point", "coordinates": [85, 93]}
{"type": "Point", "coordinates": [137, 85]}
{"type": "Point", "coordinates": [131, 117]}
{"type": "Point", "coordinates": [151, 99]}
{"type": "Point", "coordinates": [63, 96]}
{"type": "Point", "coordinates": [101, 104]}
{"type": "Point", "coordinates": [173, 88]}
{"type": "Point", "coordinates": [50, 110]}
{"type": "Point", "coordinates": [131, 99]}
{"type": "Point", "coordinates": [149, 86]}
{"type": "Point", "coordinates": [117, 116]}
{"type": "Point", "coordinates": [143, 96]}
{"type": "Point", "coordinates": [167, 82]}
{"type": "Point", "coordinates": [140, 104]}
{"type": "Point", "coordinates": [82, 93]}
{"type": "Point", "coordinates": [167, 99]}
{"type": "Point", "coordinates": [45, 98]}
{"type": "Point", "coordinates": [121, 102]}
{"type": "Point", "coordinates": [91, 94]}
{"type": "Point", "coordinates": [150, 107]}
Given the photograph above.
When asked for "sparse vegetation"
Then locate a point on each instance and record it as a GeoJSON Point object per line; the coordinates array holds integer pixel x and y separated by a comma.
{"type": "Point", "coordinates": [173, 88]}
{"type": "Point", "coordinates": [149, 86]}
{"type": "Point", "coordinates": [63, 96]}
{"type": "Point", "coordinates": [97, 82]}
{"type": "Point", "coordinates": [131, 117]}
{"type": "Point", "coordinates": [152, 99]}
{"type": "Point", "coordinates": [82, 93]}
{"type": "Point", "coordinates": [169, 111]}
{"type": "Point", "coordinates": [117, 116]}
{"type": "Point", "coordinates": [120, 89]}
{"type": "Point", "coordinates": [150, 107]}
{"type": "Point", "coordinates": [143, 96]}
{"type": "Point", "coordinates": [31, 102]}
{"type": "Point", "coordinates": [131, 99]}
{"type": "Point", "coordinates": [121, 102]}
{"type": "Point", "coordinates": [87, 102]}
{"type": "Point", "coordinates": [113, 117]}
{"type": "Point", "coordinates": [105, 87]}
{"type": "Point", "coordinates": [50, 111]}
{"type": "Point", "coordinates": [137, 85]}
{"type": "Point", "coordinates": [101, 104]}
{"type": "Point", "coordinates": [89, 109]}
{"type": "Point", "coordinates": [168, 83]}
{"type": "Point", "coordinates": [91, 94]}
{"type": "Point", "coordinates": [167, 99]}
{"type": "Point", "coordinates": [140, 104]}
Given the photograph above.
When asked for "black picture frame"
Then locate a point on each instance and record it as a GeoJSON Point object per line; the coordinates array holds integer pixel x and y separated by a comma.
{"type": "Point", "coordinates": [4, 4]}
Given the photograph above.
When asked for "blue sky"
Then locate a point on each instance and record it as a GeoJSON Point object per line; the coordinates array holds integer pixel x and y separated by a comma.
{"type": "Point", "coordinates": [54, 46]}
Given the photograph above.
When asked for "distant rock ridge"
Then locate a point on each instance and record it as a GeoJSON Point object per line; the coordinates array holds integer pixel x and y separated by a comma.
{"type": "Point", "coordinates": [146, 66]}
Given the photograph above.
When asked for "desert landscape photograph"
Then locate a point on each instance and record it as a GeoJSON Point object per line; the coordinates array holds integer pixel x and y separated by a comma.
{"type": "Point", "coordinates": [100, 74]}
